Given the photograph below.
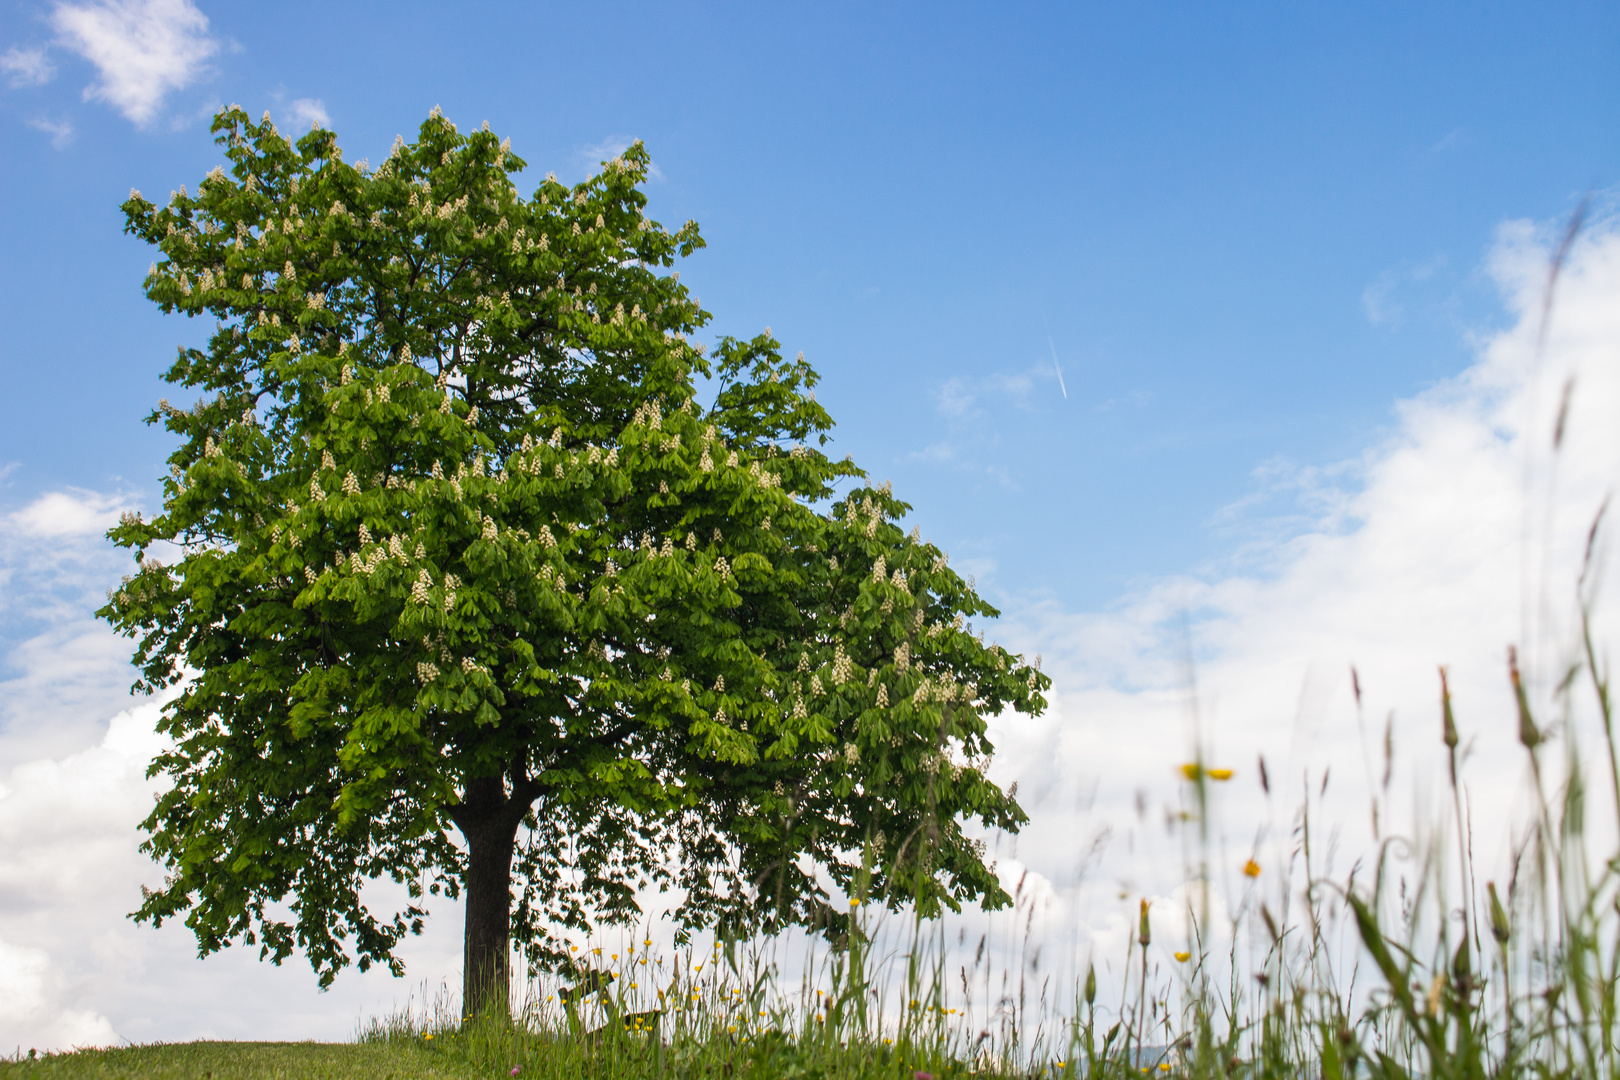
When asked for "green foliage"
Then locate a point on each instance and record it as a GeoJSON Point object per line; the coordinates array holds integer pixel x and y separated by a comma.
{"type": "Point", "coordinates": [450, 544]}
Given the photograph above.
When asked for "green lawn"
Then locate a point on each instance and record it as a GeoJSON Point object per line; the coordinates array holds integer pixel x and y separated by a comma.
{"type": "Point", "coordinates": [250, 1061]}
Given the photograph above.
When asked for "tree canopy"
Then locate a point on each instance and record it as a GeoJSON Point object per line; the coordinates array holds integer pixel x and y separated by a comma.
{"type": "Point", "coordinates": [461, 583]}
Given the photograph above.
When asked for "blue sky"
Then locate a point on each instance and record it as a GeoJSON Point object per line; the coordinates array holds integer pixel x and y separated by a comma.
{"type": "Point", "coordinates": [1249, 228]}
{"type": "Point", "coordinates": [1291, 259]}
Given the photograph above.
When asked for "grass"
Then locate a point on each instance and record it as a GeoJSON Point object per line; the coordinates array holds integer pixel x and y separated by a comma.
{"type": "Point", "coordinates": [249, 1061]}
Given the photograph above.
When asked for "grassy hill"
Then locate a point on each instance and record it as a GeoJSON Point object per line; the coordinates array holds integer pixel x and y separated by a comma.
{"type": "Point", "coordinates": [250, 1061]}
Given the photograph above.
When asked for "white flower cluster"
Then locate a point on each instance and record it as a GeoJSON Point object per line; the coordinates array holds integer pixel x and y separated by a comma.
{"type": "Point", "coordinates": [902, 657]}
{"type": "Point", "coordinates": [842, 668]}
{"type": "Point", "coordinates": [722, 568]}
{"type": "Point", "coordinates": [426, 671]}
{"type": "Point", "coordinates": [882, 696]}
{"type": "Point", "coordinates": [351, 486]}
{"type": "Point", "coordinates": [852, 754]}
{"type": "Point", "coordinates": [880, 572]}
{"type": "Point", "coordinates": [815, 686]}
{"type": "Point", "coordinates": [450, 585]}
{"type": "Point", "coordinates": [488, 532]}
{"type": "Point", "coordinates": [420, 587]}
{"type": "Point", "coordinates": [650, 414]}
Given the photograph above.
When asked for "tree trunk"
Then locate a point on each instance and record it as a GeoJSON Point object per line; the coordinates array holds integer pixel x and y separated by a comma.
{"type": "Point", "coordinates": [489, 822]}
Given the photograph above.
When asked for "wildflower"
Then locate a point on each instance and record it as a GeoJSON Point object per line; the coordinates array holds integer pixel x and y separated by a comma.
{"type": "Point", "coordinates": [429, 1036]}
{"type": "Point", "coordinates": [1220, 774]}
{"type": "Point", "coordinates": [1144, 933]}
{"type": "Point", "coordinates": [1251, 869]}
{"type": "Point", "coordinates": [1183, 957]}
{"type": "Point", "coordinates": [1192, 770]}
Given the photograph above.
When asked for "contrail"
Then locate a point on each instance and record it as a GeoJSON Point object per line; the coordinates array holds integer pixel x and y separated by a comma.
{"type": "Point", "coordinates": [1055, 365]}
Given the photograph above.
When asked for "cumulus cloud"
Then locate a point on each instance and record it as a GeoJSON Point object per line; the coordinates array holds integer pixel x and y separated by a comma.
{"type": "Point", "coordinates": [308, 113]}
{"type": "Point", "coordinates": [1461, 533]}
{"type": "Point", "coordinates": [143, 49]}
{"type": "Point", "coordinates": [59, 514]}
{"type": "Point", "coordinates": [26, 67]}
{"type": "Point", "coordinates": [31, 1009]}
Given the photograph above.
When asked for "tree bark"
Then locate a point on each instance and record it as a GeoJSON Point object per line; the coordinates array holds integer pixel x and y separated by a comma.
{"type": "Point", "coordinates": [489, 821]}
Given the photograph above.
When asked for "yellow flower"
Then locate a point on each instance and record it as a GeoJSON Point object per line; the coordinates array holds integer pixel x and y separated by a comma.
{"type": "Point", "coordinates": [1191, 770]}
{"type": "Point", "coordinates": [1183, 957]}
{"type": "Point", "coordinates": [643, 961]}
{"type": "Point", "coordinates": [615, 955]}
{"type": "Point", "coordinates": [429, 1035]}
{"type": "Point", "coordinates": [1164, 1066]}
{"type": "Point", "coordinates": [647, 942]}
{"type": "Point", "coordinates": [1220, 774]}
{"type": "Point", "coordinates": [598, 952]}
{"type": "Point", "coordinates": [1251, 869]}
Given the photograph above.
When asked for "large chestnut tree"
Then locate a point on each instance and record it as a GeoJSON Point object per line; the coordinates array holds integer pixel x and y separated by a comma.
{"type": "Point", "coordinates": [476, 573]}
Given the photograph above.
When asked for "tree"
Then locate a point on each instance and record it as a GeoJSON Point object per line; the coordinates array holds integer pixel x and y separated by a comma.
{"type": "Point", "coordinates": [466, 588]}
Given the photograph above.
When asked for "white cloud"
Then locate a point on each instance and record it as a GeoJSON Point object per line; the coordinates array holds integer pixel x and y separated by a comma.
{"type": "Point", "coordinates": [60, 131]}
{"type": "Point", "coordinates": [1461, 533]}
{"type": "Point", "coordinates": [31, 1009]}
{"type": "Point", "coordinates": [143, 49]}
{"type": "Point", "coordinates": [26, 67]}
{"type": "Point", "coordinates": [68, 513]}
{"type": "Point", "coordinates": [308, 113]}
